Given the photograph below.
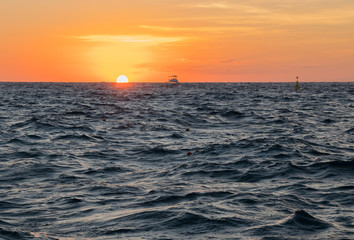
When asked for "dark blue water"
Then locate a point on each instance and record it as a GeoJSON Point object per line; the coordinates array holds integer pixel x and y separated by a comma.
{"type": "Point", "coordinates": [193, 161]}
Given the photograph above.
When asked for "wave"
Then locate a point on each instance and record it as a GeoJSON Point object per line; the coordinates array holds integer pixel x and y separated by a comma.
{"type": "Point", "coordinates": [196, 161]}
{"type": "Point", "coordinates": [24, 123]}
{"type": "Point", "coordinates": [299, 224]}
{"type": "Point", "coordinates": [333, 168]}
{"type": "Point", "coordinates": [116, 190]}
{"type": "Point", "coordinates": [302, 220]}
{"type": "Point", "coordinates": [173, 199]}
{"type": "Point", "coordinates": [18, 141]}
{"type": "Point", "coordinates": [105, 170]}
{"type": "Point", "coordinates": [199, 223]}
{"type": "Point", "coordinates": [232, 114]}
{"type": "Point", "coordinates": [74, 137]}
{"type": "Point", "coordinates": [158, 150]}
{"type": "Point", "coordinates": [351, 130]}
{"type": "Point", "coordinates": [10, 234]}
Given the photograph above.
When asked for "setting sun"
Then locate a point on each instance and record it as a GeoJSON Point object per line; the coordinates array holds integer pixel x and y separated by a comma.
{"type": "Point", "coordinates": [122, 79]}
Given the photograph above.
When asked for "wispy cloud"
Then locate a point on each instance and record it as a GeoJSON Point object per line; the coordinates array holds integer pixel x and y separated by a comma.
{"type": "Point", "coordinates": [198, 29]}
{"type": "Point", "coordinates": [245, 8]}
{"type": "Point", "coordinates": [207, 5]}
{"type": "Point", "coordinates": [144, 39]}
{"type": "Point", "coordinates": [275, 11]}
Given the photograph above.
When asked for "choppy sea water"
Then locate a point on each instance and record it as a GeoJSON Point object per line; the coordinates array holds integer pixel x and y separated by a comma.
{"type": "Point", "coordinates": [192, 161]}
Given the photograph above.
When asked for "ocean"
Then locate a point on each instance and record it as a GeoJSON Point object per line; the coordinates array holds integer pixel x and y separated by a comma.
{"type": "Point", "coordinates": [186, 161]}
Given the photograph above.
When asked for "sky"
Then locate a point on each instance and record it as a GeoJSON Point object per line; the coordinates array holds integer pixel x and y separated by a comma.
{"type": "Point", "coordinates": [199, 40]}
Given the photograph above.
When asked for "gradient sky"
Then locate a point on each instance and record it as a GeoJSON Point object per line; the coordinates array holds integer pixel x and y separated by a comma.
{"type": "Point", "coordinates": [201, 40]}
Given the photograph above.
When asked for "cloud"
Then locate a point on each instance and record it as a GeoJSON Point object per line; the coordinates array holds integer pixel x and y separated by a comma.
{"type": "Point", "coordinates": [228, 60]}
{"type": "Point", "coordinates": [246, 8]}
{"type": "Point", "coordinates": [198, 29]}
{"type": "Point", "coordinates": [280, 12]}
{"type": "Point", "coordinates": [207, 5]}
{"type": "Point", "coordinates": [144, 39]}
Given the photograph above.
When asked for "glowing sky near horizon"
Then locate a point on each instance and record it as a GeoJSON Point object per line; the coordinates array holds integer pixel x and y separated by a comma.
{"type": "Point", "coordinates": [206, 40]}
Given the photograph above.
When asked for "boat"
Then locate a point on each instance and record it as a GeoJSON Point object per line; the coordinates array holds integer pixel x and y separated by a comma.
{"type": "Point", "coordinates": [173, 79]}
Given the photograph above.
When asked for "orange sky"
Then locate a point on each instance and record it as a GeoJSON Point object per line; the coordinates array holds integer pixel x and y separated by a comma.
{"type": "Point", "coordinates": [226, 40]}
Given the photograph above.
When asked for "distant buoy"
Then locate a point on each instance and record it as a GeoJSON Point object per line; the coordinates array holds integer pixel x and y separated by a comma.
{"type": "Point", "coordinates": [297, 87]}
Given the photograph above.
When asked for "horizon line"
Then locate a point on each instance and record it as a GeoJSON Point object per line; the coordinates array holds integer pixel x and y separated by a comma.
{"type": "Point", "coordinates": [179, 82]}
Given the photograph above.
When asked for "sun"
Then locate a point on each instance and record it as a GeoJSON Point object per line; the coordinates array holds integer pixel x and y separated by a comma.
{"type": "Point", "coordinates": [122, 79]}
